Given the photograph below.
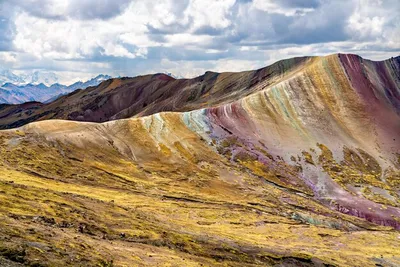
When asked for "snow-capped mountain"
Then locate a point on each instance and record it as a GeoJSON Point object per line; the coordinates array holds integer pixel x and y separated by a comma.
{"type": "Point", "coordinates": [15, 93]}
{"type": "Point", "coordinates": [37, 77]}
{"type": "Point", "coordinates": [43, 77]}
{"type": "Point", "coordinates": [7, 76]}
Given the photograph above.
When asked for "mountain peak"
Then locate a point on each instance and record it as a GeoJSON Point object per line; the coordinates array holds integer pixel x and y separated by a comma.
{"type": "Point", "coordinates": [102, 77]}
{"type": "Point", "coordinates": [41, 86]}
{"type": "Point", "coordinates": [42, 77]}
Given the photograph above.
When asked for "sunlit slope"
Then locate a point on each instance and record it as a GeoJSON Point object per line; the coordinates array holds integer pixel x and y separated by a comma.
{"type": "Point", "coordinates": [321, 120]}
{"type": "Point", "coordinates": [151, 190]}
{"type": "Point", "coordinates": [303, 171]}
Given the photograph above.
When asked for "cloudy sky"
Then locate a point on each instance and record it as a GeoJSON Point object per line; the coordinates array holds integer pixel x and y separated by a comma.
{"type": "Point", "coordinates": [78, 39]}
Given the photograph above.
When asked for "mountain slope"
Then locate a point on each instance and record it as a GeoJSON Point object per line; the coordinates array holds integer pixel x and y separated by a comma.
{"type": "Point", "coordinates": [149, 94]}
{"type": "Point", "coordinates": [301, 171]}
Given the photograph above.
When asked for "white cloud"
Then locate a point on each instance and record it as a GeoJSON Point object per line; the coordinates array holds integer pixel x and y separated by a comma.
{"type": "Point", "coordinates": [187, 39]}
{"type": "Point", "coordinates": [8, 57]}
{"type": "Point", "coordinates": [53, 39]}
{"type": "Point", "coordinates": [235, 65]}
{"type": "Point", "coordinates": [76, 9]}
{"type": "Point", "coordinates": [137, 39]}
{"type": "Point", "coordinates": [375, 20]}
{"type": "Point", "coordinates": [365, 26]}
{"type": "Point", "coordinates": [273, 6]}
{"type": "Point", "coordinates": [248, 48]}
{"type": "Point", "coordinates": [74, 39]}
{"type": "Point", "coordinates": [209, 13]}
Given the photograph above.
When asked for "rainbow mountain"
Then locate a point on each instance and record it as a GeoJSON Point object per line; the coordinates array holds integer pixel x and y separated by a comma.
{"type": "Point", "coordinates": [295, 164]}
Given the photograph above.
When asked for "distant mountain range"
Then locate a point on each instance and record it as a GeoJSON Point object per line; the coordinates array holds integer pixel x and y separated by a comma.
{"type": "Point", "coordinates": [41, 87]}
{"type": "Point", "coordinates": [36, 77]}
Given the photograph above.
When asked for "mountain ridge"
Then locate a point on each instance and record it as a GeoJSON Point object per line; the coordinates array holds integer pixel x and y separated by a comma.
{"type": "Point", "coordinates": [129, 96]}
{"type": "Point", "coordinates": [136, 104]}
